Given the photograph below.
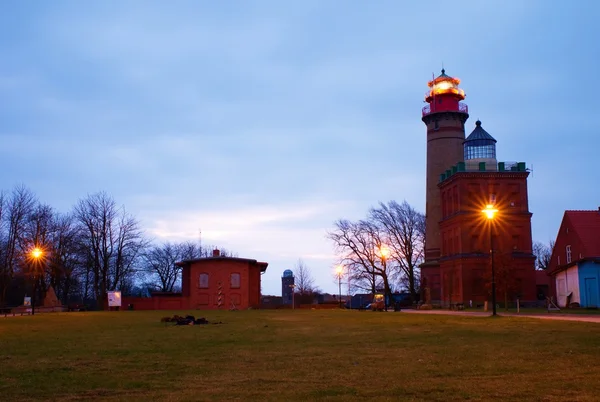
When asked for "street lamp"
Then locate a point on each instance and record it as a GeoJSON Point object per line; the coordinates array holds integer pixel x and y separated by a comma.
{"type": "Point", "coordinates": [339, 270]}
{"type": "Point", "coordinates": [384, 253]}
{"type": "Point", "coordinates": [490, 213]}
{"type": "Point", "coordinates": [293, 299]}
{"type": "Point", "coordinates": [36, 255]}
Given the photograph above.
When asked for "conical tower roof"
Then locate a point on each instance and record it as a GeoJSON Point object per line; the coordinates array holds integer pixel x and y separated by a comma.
{"type": "Point", "coordinates": [479, 134]}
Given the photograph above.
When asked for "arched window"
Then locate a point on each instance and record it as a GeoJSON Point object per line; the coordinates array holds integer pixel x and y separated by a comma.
{"type": "Point", "coordinates": [235, 281]}
{"type": "Point", "coordinates": [203, 281]}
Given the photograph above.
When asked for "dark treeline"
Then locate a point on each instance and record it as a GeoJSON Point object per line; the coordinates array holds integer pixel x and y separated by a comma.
{"type": "Point", "coordinates": [383, 250]}
{"type": "Point", "coordinates": [96, 247]}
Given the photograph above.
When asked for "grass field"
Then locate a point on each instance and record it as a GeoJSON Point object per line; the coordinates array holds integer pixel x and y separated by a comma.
{"type": "Point", "coordinates": [297, 355]}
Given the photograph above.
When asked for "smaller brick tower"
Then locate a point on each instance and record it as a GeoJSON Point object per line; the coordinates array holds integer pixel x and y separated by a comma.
{"type": "Point", "coordinates": [465, 262]}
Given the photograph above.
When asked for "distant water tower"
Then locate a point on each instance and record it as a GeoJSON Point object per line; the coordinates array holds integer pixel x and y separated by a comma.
{"type": "Point", "coordinates": [287, 286]}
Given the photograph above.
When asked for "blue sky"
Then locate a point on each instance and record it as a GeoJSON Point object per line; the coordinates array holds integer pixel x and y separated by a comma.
{"type": "Point", "coordinates": [262, 122]}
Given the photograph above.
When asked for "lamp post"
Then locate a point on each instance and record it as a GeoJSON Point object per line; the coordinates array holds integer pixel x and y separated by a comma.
{"type": "Point", "coordinates": [490, 213]}
{"type": "Point", "coordinates": [293, 299]}
{"type": "Point", "coordinates": [384, 252]}
{"type": "Point", "coordinates": [339, 270]}
{"type": "Point", "coordinates": [36, 254]}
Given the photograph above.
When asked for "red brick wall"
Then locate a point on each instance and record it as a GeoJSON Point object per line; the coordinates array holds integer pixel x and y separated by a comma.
{"type": "Point", "coordinates": [154, 303]}
{"type": "Point", "coordinates": [219, 272]}
{"type": "Point", "coordinates": [465, 234]}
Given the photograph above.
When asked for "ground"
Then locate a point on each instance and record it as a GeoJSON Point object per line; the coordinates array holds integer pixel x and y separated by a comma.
{"type": "Point", "coordinates": [297, 355]}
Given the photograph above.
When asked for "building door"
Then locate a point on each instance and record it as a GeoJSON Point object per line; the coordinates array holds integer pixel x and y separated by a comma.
{"type": "Point", "coordinates": [591, 292]}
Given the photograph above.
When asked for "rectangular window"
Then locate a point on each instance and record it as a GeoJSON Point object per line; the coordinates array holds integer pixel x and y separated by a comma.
{"type": "Point", "coordinates": [203, 281]}
{"type": "Point", "coordinates": [568, 254]}
{"type": "Point", "coordinates": [235, 281]}
{"type": "Point", "coordinates": [492, 198]}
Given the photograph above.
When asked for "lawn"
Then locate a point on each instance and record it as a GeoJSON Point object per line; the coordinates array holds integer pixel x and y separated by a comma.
{"type": "Point", "coordinates": [297, 355]}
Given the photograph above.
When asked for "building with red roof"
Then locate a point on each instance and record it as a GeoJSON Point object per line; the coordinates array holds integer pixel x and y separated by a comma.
{"type": "Point", "coordinates": [575, 262]}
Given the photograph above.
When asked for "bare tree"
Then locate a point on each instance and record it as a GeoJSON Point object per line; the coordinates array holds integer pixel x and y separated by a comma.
{"type": "Point", "coordinates": [65, 262]}
{"type": "Point", "coordinates": [159, 262]}
{"type": "Point", "coordinates": [37, 233]}
{"type": "Point", "coordinates": [112, 240]}
{"type": "Point", "coordinates": [15, 212]}
{"type": "Point", "coordinates": [543, 254]}
{"type": "Point", "coordinates": [303, 279]}
{"type": "Point", "coordinates": [403, 231]}
{"type": "Point", "coordinates": [363, 252]}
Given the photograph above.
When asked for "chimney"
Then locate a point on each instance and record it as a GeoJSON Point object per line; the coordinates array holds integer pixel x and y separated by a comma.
{"type": "Point", "coordinates": [216, 252]}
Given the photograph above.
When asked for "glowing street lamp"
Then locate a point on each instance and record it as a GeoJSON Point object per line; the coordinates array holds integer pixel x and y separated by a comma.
{"type": "Point", "coordinates": [490, 212]}
{"type": "Point", "coordinates": [339, 271]}
{"type": "Point", "coordinates": [384, 252]}
{"type": "Point", "coordinates": [36, 254]}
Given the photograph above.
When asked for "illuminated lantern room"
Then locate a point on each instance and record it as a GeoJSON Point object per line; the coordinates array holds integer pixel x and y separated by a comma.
{"type": "Point", "coordinates": [444, 95]}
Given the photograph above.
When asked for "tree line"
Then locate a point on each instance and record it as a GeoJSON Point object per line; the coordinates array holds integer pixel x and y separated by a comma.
{"type": "Point", "coordinates": [383, 250]}
{"type": "Point", "coordinates": [96, 247]}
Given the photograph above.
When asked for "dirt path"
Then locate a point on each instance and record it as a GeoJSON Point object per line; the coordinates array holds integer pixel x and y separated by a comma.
{"type": "Point", "coordinates": [548, 316]}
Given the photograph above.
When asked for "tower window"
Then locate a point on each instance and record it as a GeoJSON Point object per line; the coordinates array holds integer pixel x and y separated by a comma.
{"type": "Point", "coordinates": [492, 198]}
{"type": "Point", "coordinates": [235, 280]}
{"type": "Point", "coordinates": [568, 254]}
{"type": "Point", "coordinates": [436, 125]}
{"type": "Point", "coordinates": [203, 281]}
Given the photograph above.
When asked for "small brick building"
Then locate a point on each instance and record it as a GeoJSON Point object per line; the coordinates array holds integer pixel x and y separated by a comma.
{"type": "Point", "coordinates": [215, 282]}
{"type": "Point", "coordinates": [221, 282]}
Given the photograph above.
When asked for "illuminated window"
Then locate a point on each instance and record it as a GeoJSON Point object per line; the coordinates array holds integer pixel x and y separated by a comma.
{"type": "Point", "coordinates": [568, 254]}
{"type": "Point", "coordinates": [235, 281]}
{"type": "Point", "coordinates": [203, 281]}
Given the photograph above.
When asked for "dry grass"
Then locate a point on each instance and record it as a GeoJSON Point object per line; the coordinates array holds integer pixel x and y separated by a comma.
{"type": "Point", "coordinates": [297, 355]}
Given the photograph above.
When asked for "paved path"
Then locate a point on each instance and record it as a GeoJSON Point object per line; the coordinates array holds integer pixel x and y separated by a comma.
{"type": "Point", "coordinates": [548, 316]}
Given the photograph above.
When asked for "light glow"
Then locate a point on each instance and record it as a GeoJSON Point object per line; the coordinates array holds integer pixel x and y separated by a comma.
{"type": "Point", "coordinates": [36, 253]}
{"type": "Point", "coordinates": [384, 251]}
{"type": "Point", "coordinates": [489, 211]}
{"type": "Point", "coordinates": [339, 270]}
{"type": "Point", "coordinates": [443, 85]}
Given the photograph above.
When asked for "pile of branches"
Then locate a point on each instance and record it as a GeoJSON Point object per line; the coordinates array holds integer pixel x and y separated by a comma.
{"type": "Point", "coordinates": [187, 320]}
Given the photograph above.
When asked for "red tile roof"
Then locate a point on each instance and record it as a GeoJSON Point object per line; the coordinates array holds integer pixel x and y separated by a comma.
{"type": "Point", "coordinates": [586, 225]}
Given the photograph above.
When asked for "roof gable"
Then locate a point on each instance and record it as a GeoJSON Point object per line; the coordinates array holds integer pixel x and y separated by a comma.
{"type": "Point", "coordinates": [580, 231]}
{"type": "Point", "coordinates": [586, 225]}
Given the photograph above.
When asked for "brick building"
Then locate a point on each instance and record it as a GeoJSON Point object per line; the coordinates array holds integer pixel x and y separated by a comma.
{"type": "Point", "coordinates": [215, 282]}
{"type": "Point", "coordinates": [463, 176]}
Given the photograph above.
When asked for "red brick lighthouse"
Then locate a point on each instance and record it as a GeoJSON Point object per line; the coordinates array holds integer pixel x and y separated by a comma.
{"type": "Point", "coordinates": [464, 251]}
{"type": "Point", "coordinates": [445, 117]}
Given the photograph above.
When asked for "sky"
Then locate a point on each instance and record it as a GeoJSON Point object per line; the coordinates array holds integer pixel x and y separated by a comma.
{"type": "Point", "coordinates": [260, 123]}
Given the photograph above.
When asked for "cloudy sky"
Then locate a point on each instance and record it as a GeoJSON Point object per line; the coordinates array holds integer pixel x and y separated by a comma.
{"type": "Point", "coordinates": [262, 122]}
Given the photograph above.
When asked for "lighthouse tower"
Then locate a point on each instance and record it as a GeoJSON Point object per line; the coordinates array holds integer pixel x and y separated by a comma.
{"type": "Point", "coordinates": [445, 117]}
